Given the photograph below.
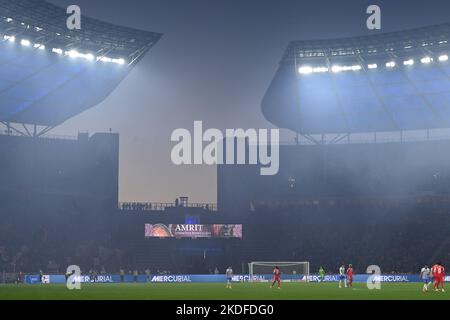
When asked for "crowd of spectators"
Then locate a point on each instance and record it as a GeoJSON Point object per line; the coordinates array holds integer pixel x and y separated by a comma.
{"type": "Point", "coordinates": [398, 236]}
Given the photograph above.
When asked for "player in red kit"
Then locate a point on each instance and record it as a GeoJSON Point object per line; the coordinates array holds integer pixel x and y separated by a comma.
{"type": "Point", "coordinates": [276, 277]}
{"type": "Point", "coordinates": [350, 276]}
{"type": "Point", "coordinates": [438, 272]}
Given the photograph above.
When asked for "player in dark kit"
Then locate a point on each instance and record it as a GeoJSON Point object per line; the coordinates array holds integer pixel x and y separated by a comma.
{"type": "Point", "coordinates": [276, 277]}
{"type": "Point", "coordinates": [438, 272]}
{"type": "Point", "coordinates": [350, 276]}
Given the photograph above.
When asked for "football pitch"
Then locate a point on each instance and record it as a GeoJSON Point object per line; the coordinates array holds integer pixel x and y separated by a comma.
{"type": "Point", "coordinates": [217, 291]}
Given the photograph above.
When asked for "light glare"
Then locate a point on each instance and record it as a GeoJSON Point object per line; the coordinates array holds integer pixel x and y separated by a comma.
{"type": "Point", "coordinates": [320, 69]}
{"type": "Point", "coordinates": [305, 70]}
{"type": "Point", "coordinates": [39, 46]}
{"type": "Point", "coordinates": [25, 43]}
{"type": "Point", "coordinates": [9, 38]}
{"type": "Point", "coordinates": [390, 64]}
{"type": "Point", "coordinates": [57, 51]}
{"type": "Point", "coordinates": [118, 61]}
{"type": "Point", "coordinates": [336, 69]}
{"type": "Point", "coordinates": [76, 54]}
{"type": "Point", "coordinates": [104, 59]}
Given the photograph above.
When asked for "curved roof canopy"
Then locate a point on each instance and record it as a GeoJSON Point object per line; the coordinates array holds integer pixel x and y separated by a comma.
{"type": "Point", "coordinates": [386, 82]}
{"type": "Point", "coordinates": [48, 73]}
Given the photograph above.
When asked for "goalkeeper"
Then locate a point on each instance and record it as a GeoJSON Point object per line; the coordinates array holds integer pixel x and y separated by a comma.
{"type": "Point", "coordinates": [321, 274]}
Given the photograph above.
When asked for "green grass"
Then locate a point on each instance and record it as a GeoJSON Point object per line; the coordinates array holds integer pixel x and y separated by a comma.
{"type": "Point", "coordinates": [217, 291]}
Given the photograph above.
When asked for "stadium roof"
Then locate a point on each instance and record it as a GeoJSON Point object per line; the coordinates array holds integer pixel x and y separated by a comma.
{"type": "Point", "coordinates": [385, 82]}
{"type": "Point", "coordinates": [50, 73]}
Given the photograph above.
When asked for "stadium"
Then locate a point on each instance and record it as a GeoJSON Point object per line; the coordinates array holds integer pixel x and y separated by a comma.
{"type": "Point", "coordinates": [370, 115]}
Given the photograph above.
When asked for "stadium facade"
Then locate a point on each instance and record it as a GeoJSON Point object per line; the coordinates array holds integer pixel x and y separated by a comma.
{"type": "Point", "coordinates": [331, 203]}
{"type": "Point", "coordinates": [45, 66]}
{"type": "Point", "coordinates": [58, 196]}
{"type": "Point", "coordinates": [386, 82]}
{"type": "Point", "coordinates": [338, 199]}
{"type": "Point", "coordinates": [375, 203]}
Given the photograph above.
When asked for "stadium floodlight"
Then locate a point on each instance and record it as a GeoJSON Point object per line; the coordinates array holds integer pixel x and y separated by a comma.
{"type": "Point", "coordinates": [320, 70]}
{"type": "Point", "coordinates": [86, 56]}
{"type": "Point", "coordinates": [409, 62]}
{"type": "Point", "coordinates": [57, 51]}
{"type": "Point", "coordinates": [25, 42]}
{"type": "Point", "coordinates": [104, 59]}
{"type": "Point", "coordinates": [390, 64]}
{"type": "Point", "coordinates": [9, 38]}
{"type": "Point", "coordinates": [305, 70]}
{"type": "Point", "coordinates": [72, 53]}
{"type": "Point", "coordinates": [336, 69]}
{"type": "Point", "coordinates": [372, 66]}
{"type": "Point", "coordinates": [443, 58]}
{"type": "Point", "coordinates": [119, 61]}
{"type": "Point", "coordinates": [39, 46]}
{"type": "Point", "coordinates": [426, 60]}
{"type": "Point", "coordinates": [76, 54]}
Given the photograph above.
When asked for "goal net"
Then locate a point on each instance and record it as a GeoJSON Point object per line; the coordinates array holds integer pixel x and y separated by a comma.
{"type": "Point", "coordinates": [294, 271]}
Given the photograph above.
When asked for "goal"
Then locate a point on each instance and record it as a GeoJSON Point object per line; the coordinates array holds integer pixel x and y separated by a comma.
{"type": "Point", "coordinates": [289, 269]}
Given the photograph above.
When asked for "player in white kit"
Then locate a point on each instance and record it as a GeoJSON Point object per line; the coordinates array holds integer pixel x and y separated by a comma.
{"type": "Point", "coordinates": [425, 276]}
{"type": "Point", "coordinates": [229, 274]}
{"type": "Point", "coordinates": [342, 276]}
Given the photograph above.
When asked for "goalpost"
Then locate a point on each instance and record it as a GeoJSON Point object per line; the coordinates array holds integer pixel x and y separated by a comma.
{"type": "Point", "coordinates": [293, 268]}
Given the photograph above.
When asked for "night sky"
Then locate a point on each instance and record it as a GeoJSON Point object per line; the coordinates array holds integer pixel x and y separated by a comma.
{"type": "Point", "coordinates": [214, 63]}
